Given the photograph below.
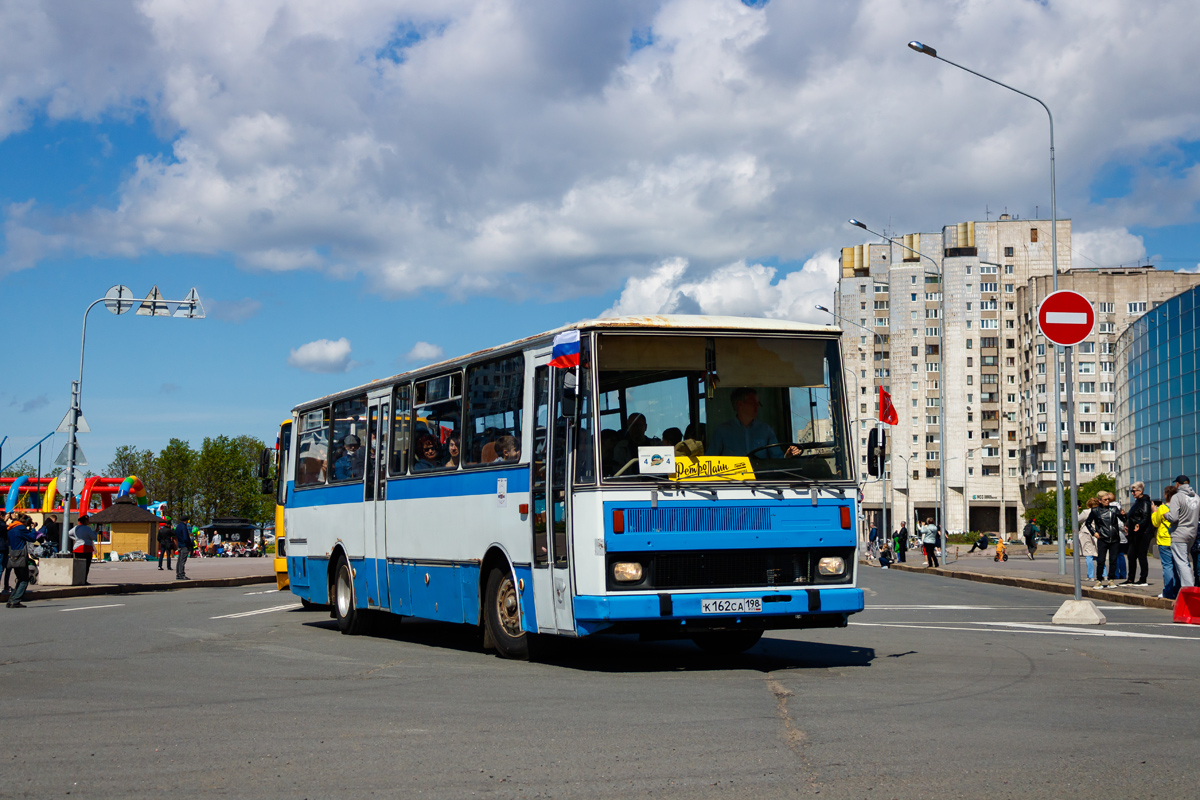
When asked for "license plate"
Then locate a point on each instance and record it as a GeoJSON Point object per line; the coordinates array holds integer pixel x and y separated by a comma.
{"type": "Point", "coordinates": [751, 605]}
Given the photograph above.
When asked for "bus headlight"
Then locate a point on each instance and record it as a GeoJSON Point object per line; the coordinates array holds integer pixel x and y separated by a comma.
{"type": "Point", "coordinates": [831, 565]}
{"type": "Point", "coordinates": [627, 571]}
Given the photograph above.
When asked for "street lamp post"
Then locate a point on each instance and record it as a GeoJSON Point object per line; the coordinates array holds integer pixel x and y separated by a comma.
{"type": "Point", "coordinates": [1058, 472]}
{"type": "Point", "coordinates": [118, 300]}
{"type": "Point", "coordinates": [879, 424]}
{"type": "Point", "coordinates": [941, 360]}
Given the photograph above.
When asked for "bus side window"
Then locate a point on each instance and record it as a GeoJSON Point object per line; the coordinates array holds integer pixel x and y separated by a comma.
{"type": "Point", "coordinates": [541, 415]}
{"type": "Point", "coordinates": [401, 429]}
{"type": "Point", "coordinates": [312, 448]}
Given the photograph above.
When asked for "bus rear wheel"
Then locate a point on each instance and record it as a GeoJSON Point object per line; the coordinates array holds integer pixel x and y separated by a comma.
{"type": "Point", "coordinates": [502, 615]}
{"type": "Point", "coordinates": [727, 642]}
{"type": "Point", "coordinates": [350, 620]}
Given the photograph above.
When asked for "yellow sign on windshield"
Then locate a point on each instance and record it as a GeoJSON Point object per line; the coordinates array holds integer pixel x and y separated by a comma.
{"type": "Point", "coordinates": [707, 468]}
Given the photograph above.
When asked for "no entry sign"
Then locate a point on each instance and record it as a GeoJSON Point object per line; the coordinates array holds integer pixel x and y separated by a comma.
{"type": "Point", "coordinates": [1066, 318]}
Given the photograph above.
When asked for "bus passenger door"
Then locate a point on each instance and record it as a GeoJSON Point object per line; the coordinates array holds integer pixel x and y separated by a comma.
{"type": "Point", "coordinates": [549, 496]}
{"type": "Point", "coordinates": [374, 497]}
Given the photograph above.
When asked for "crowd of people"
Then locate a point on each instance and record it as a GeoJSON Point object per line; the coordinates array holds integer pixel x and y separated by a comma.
{"type": "Point", "coordinates": [20, 540]}
{"type": "Point", "coordinates": [1114, 544]}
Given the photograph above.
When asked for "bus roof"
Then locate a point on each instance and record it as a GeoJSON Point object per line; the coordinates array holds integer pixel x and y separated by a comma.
{"type": "Point", "coordinates": [694, 322]}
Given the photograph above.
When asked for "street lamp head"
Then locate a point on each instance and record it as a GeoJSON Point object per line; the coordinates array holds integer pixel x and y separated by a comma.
{"type": "Point", "coordinates": [923, 48]}
{"type": "Point", "coordinates": [857, 224]}
{"type": "Point", "coordinates": [823, 308]}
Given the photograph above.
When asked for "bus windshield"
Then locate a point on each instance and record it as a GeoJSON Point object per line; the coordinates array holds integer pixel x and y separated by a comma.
{"type": "Point", "coordinates": [730, 407]}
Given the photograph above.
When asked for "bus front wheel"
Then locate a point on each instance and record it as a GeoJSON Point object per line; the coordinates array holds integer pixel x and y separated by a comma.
{"type": "Point", "coordinates": [350, 620]}
{"type": "Point", "coordinates": [503, 616]}
{"type": "Point", "coordinates": [727, 642]}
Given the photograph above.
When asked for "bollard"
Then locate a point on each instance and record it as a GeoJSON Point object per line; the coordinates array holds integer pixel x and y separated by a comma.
{"type": "Point", "coordinates": [1187, 605]}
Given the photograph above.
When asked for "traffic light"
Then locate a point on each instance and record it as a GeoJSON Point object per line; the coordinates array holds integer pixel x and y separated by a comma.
{"type": "Point", "coordinates": [876, 449]}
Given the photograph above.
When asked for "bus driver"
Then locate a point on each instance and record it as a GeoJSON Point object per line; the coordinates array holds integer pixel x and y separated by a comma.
{"type": "Point", "coordinates": [745, 433]}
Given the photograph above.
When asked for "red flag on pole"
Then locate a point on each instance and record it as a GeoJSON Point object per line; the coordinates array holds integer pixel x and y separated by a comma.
{"type": "Point", "coordinates": [887, 411]}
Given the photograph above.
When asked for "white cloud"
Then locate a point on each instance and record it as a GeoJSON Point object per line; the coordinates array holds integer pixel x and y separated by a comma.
{"type": "Point", "coordinates": [1106, 247]}
{"type": "Point", "coordinates": [507, 147]}
{"type": "Point", "coordinates": [738, 289]}
{"type": "Point", "coordinates": [323, 355]}
{"type": "Point", "coordinates": [424, 352]}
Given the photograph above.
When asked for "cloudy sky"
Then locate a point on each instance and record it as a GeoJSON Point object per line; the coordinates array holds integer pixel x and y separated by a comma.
{"type": "Point", "coordinates": [356, 188]}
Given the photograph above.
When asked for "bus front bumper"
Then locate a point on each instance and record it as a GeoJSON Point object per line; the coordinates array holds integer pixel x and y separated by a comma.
{"type": "Point", "coordinates": [686, 613]}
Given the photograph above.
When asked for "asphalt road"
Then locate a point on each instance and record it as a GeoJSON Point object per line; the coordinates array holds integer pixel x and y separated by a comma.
{"type": "Point", "coordinates": [943, 688]}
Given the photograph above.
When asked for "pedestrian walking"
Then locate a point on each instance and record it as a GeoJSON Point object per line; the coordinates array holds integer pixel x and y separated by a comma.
{"type": "Point", "coordinates": [1138, 530]}
{"type": "Point", "coordinates": [4, 553]}
{"type": "Point", "coordinates": [1103, 520]}
{"type": "Point", "coordinates": [83, 545]}
{"type": "Point", "coordinates": [1087, 538]}
{"type": "Point", "coordinates": [183, 540]}
{"type": "Point", "coordinates": [929, 540]}
{"type": "Point", "coordinates": [166, 543]}
{"type": "Point", "coordinates": [902, 541]}
{"type": "Point", "coordinates": [873, 543]}
{"type": "Point", "coordinates": [20, 536]}
{"type": "Point", "coordinates": [1030, 535]}
{"type": "Point", "coordinates": [1162, 531]}
{"type": "Point", "coordinates": [1183, 513]}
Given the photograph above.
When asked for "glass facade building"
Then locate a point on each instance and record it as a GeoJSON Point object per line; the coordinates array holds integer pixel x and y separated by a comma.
{"type": "Point", "coordinates": [1157, 432]}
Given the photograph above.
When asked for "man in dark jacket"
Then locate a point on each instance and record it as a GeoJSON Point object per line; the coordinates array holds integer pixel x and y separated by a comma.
{"type": "Point", "coordinates": [1139, 532]}
{"type": "Point", "coordinates": [166, 543]}
{"type": "Point", "coordinates": [902, 541]}
{"type": "Point", "coordinates": [1103, 521]}
{"type": "Point", "coordinates": [183, 540]}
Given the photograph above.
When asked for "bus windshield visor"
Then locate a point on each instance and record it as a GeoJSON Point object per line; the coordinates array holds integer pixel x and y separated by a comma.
{"type": "Point", "coordinates": [721, 408]}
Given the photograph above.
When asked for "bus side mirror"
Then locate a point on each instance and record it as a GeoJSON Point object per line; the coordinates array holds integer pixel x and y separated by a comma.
{"type": "Point", "coordinates": [264, 462]}
{"type": "Point", "coordinates": [570, 397]}
{"type": "Point", "coordinates": [876, 450]}
{"type": "Point", "coordinates": [268, 486]}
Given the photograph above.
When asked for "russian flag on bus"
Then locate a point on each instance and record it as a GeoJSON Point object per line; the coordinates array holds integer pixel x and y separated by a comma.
{"type": "Point", "coordinates": [566, 350]}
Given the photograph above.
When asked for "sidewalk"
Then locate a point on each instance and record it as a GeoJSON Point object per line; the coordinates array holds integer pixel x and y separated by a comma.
{"type": "Point", "coordinates": [128, 577]}
{"type": "Point", "coordinates": [1041, 574]}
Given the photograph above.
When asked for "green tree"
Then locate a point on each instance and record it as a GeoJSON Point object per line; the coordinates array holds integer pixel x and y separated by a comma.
{"type": "Point", "coordinates": [1042, 510]}
{"type": "Point", "coordinates": [1101, 483]}
{"type": "Point", "coordinates": [227, 481]}
{"type": "Point", "coordinates": [176, 478]}
{"type": "Point", "coordinates": [18, 469]}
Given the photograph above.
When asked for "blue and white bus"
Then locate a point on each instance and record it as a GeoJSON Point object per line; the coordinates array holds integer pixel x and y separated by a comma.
{"type": "Point", "coordinates": [691, 478]}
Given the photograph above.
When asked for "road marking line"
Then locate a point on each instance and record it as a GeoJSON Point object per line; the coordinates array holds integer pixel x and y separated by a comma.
{"type": "Point", "coordinates": [89, 608]}
{"type": "Point", "coordinates": [270, 591]}
{"type": "Point", "coordinates": [259, 611]}
{"type": "Point", "coordinates": [1027, 628]}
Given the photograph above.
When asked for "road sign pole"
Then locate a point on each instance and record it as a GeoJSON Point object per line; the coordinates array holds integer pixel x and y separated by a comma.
{"type": "Point", "coordinates": [1074, 507]}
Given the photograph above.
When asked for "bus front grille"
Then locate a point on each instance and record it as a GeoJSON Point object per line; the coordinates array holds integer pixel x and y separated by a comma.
{"type": "Point", "coordinates": [726, 569]}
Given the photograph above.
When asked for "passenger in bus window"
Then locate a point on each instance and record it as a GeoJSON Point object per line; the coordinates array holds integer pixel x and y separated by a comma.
{"type": "Point", "coordinates": [507, 449]}
{"type": "Point", "coordinates": [429, 454]}
{"type": "Point", "coordinates": [452, 449]}
{"type": "Point", "coordinates": [672, 436]}
{"type": "Point", "coordinates": [635, 437]}
{"type": "Point", "coordinates": [608, 447]}
{"type": "Point", "coordinates": [745, 433]}
{"type": "Point", "coordinates": [349, 465]}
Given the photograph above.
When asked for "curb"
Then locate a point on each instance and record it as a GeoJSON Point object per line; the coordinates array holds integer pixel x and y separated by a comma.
{"type": "Point", "coordinates": [100, 589]}
{"type": "Point", "coordinates": [1043, 586]}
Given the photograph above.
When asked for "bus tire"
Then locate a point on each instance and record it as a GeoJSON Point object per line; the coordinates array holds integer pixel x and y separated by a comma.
{"type": "Point", "coordinates": [350, 620]}
{"type": "Point", "coordinates": [502, 615]}
{"type": "Point", "coordinates": [727, 642]}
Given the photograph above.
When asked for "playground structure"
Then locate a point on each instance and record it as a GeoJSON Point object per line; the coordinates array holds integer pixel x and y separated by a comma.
{"type": "Point", "coordinates": [39, 496]}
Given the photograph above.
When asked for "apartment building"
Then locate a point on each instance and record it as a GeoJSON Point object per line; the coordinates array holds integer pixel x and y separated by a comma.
{"type": "Point", "coordinates": [991, 383]}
